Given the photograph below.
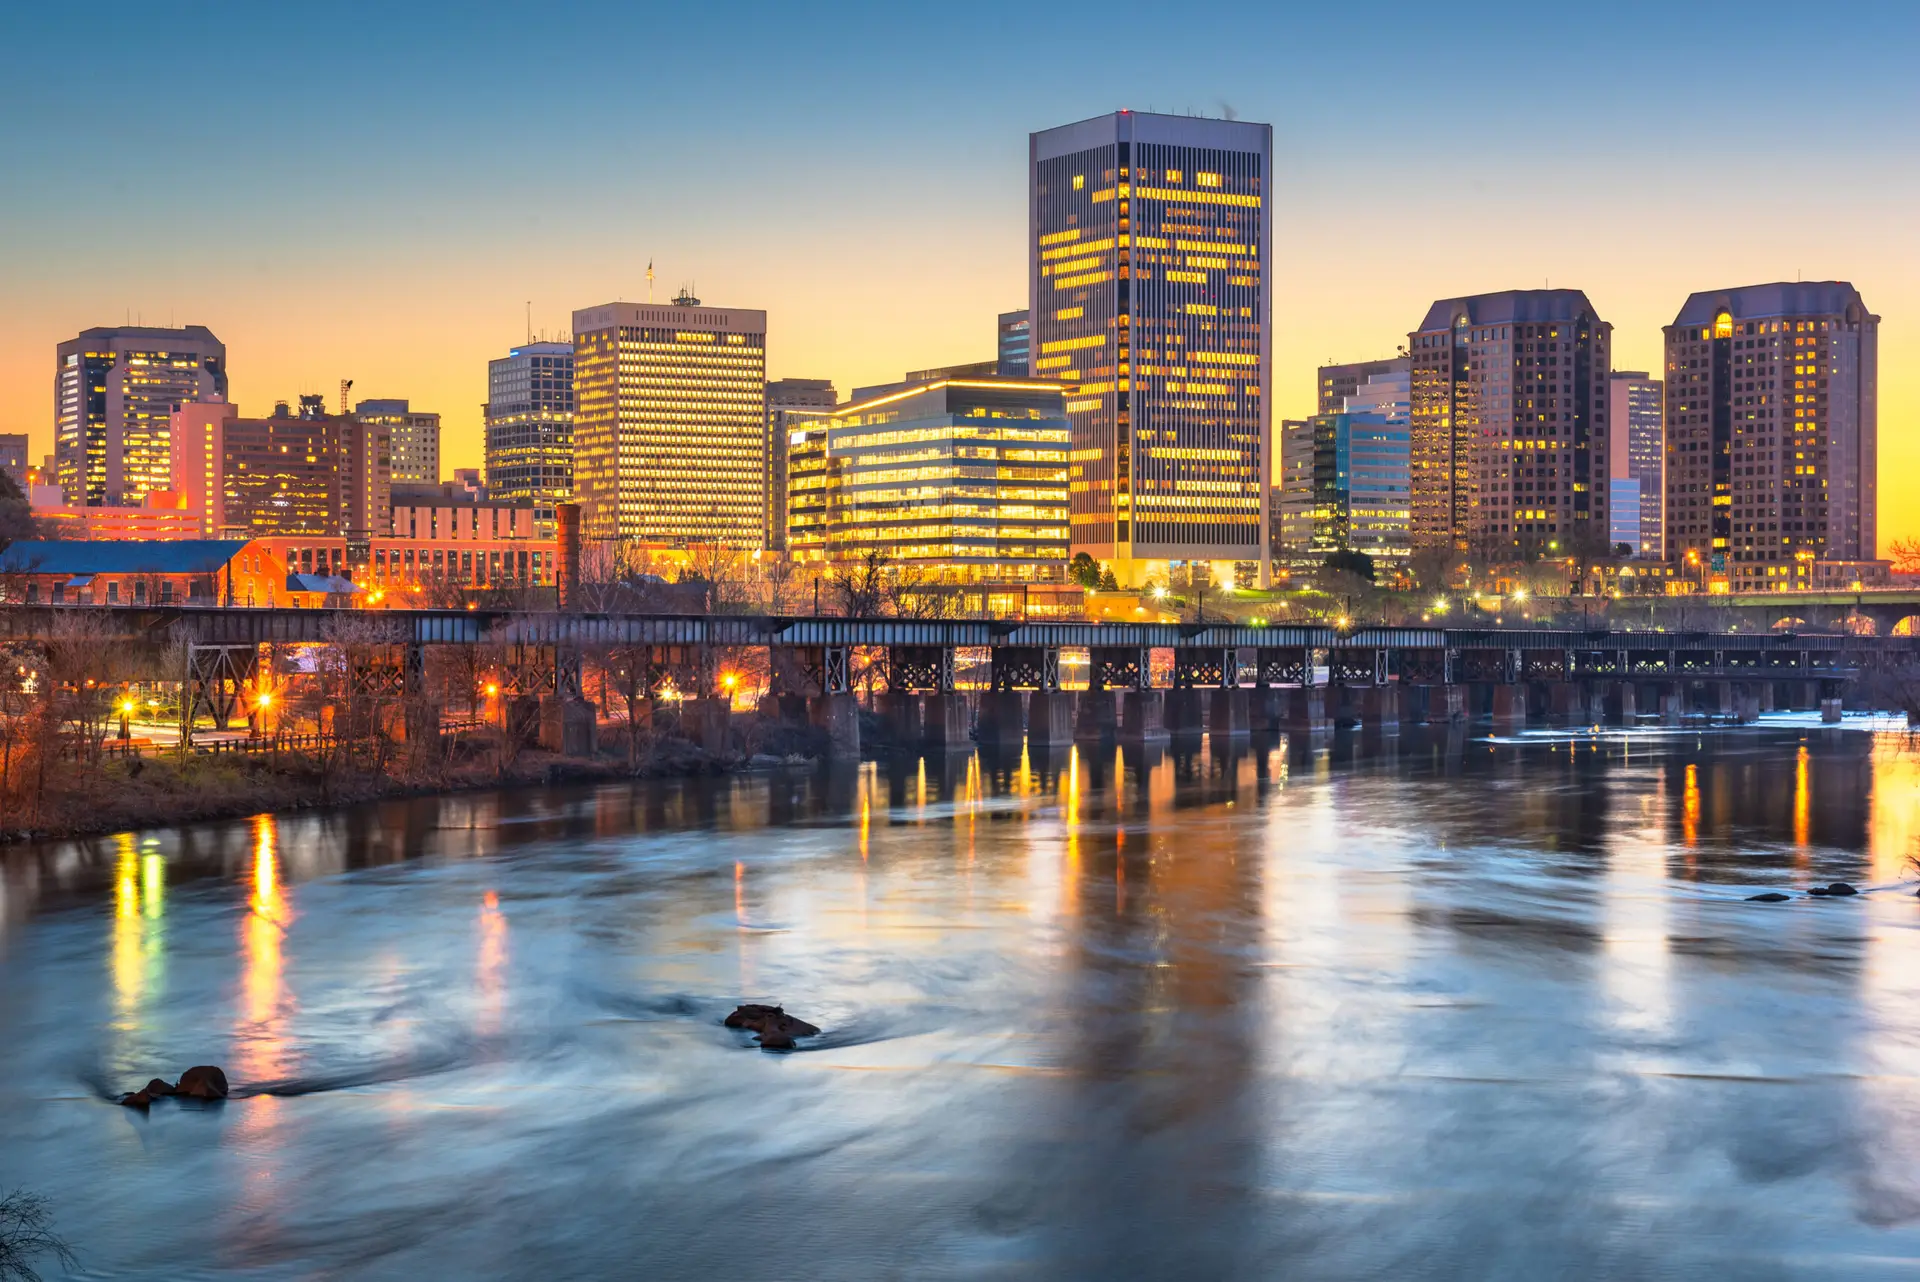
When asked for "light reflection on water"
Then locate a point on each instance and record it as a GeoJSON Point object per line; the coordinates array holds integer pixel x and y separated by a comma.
{"type": "Point", "coordinates": [1432, 1008]}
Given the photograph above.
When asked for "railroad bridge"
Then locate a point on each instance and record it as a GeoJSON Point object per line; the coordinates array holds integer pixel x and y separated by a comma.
{"type": "Point", "coordinates": [946, 681]}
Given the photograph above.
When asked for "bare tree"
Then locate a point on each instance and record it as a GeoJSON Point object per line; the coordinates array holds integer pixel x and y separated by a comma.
{"type": "Point", "coordinates": [861, 589]}
{"type": "Point", "coordinates": [26, 1234]}
{"type": "Point", "coordinates": [1905, 555]}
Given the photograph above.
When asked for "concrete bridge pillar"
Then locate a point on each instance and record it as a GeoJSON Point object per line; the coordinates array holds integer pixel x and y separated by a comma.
{"type": "Point", "coordinates": [900, 718]}
{"type": "Point", "coordinates": [1453, 703]}
{"type": "Point", "coordinates": [1096, 717]}
{"type": "Point", "coordinates": [1307, 710]}
{"type": "Point", "coordinates": [1142, 716]}
{"type": "Point", "coordinates": [1231, 713]}
{"type": "Point", "coordinates": [945, 721]}
{"type": "Point", "coordinates": [1746, 708]}
{"type": "Point", "coordinates": [706, 721]}
{"type": "Point", "coordinates": [1766, 696]}
{"type": "Point", "coordinates": [1623, 705]}
{"type": "Point", "coordinates": [1509, 708]}
{"type": "Point", "coordinates": [1569, 701]}
{"type": "Point", "coordinates": [1380, 709]}
{"type": "Point", "coordinates": [1267, 710]}
{"type": "Point", "coordinates": [568, 725]}
{"type": "Point", "coordinates": [839, 716]}
{"type": "Point", "coordinates": [1049, 719]}
{"type": "Point", "coordinates": [1002, 714]}
{"type": "Point", "coordinates": [1185, 712]}
{"type": "Point", "coordinates": [1830, 711]}
{"type": "Point", "coordinates": [1671, 707]}
{"type": "Point", "coordinates": [1725, 702]}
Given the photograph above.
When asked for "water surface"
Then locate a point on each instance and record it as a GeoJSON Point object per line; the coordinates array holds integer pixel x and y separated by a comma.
{"type": "Point", "coordinates": [1445, 1008]}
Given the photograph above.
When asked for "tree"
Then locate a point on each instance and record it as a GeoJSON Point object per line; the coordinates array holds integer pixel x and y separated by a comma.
{"type": "Point", "coordinates": [26, 1233]}
{"type": "Point", "coordinates": [1107, 582]}
{"type": "Point", "coordinates": [862, 586]}
{"type": "Point", "coordinates": [1433, 568]}
{"type": "Point", "coordinates": [1905, 555]}
{"type": "Point", "coordinates": [1084, 570]}
{"type": "Point", "coordinates": [1351, 562]}
{"type": "Point", "coordinates": [16, 516]}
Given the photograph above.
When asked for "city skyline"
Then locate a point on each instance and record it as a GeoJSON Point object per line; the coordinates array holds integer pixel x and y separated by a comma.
{"type": "Point", "coordinates": [411, 297]}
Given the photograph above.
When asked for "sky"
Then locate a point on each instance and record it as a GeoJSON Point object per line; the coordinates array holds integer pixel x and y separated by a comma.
{"type": "Point", "coordinates": [387, 192]}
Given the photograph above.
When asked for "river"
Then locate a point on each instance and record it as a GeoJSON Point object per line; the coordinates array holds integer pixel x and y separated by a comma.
{"type": "Point", "coordinates": [1445, 1007]}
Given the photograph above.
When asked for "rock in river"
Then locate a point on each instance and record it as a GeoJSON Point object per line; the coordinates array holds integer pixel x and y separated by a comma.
{"type": "Point", "coordinates": [203, 1081]}
{"type": "Point", "coordinates": [775, 1028]}
{"type": "Point", "coordinates": [1771, 897]}
{"type": "Point", "coordinates": [1836, 889]}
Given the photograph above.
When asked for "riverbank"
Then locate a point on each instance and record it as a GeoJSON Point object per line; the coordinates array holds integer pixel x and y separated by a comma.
{"type": "Point", "coordinates": [113, 795]}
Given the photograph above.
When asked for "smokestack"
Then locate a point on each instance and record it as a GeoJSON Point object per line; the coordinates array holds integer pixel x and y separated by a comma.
{"type": "Point", "coordinates": [567, 576]}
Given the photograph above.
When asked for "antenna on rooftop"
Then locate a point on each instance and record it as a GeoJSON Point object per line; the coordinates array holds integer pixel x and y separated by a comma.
{"type": "Point", "coordinates": [529, 320]}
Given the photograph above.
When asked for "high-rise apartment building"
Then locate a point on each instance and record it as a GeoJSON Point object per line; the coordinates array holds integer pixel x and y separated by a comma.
{"type": "Point", "coordinates": [671, 422]}
{"type": "Point", "coordinates": [956, 481]}
{"type": "Point", "coordinates": [1337, 382]}
{"type": "Point", "coordinates": [113, 392]}
{"type": "Point", "coordinates": [1150, 239]}
{"type": "Point", "coordinates": [1636, 450]}
{"type": "Point", "coordinates": [1014, 334]}
{"type": "Point", "coordinates": [529, 425]}
{"type": "Point", "coordinates": [790, 403]}
{"type": "Point", "coordinates": [308, 472]}
{"type": "Point", "coordinates": [1510, 424]}
{"type": "Point", "coordinates": [1773, 422]}
{"type": "Point", "coordinates": [415, 436]}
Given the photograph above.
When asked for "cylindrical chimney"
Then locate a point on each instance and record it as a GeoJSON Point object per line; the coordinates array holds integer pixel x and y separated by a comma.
{"type": "Point", "coordinates": [567, 576]}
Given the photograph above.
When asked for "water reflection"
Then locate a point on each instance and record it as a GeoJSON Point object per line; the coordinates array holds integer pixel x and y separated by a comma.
{"type": "Point", "coordinates": [1315, 1007]}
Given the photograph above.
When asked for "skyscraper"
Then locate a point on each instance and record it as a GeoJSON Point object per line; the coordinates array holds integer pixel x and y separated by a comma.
{"type": "Point", "coordinates": [529, 423]}
{"type": "Point", "coordinates": [309, 472]}
{"type": "Point", "coordinates": [1346, 477]}
{"type": "Point", "coordinates": [415, 439]}
{"type": "Point", "coordinates": [1150, 238]}
{"type": "Point", "coordinates": [1337, 382]}
{"type": "Point", "coordinates": [1636, 449]}
{"type": "Point", "coordinates": [790, 402]}
{"type": "Point", "coordinates": [1772, 433]}
{"type": "Point", "coordinates": [1015, 331]}
{"type": "Point", "coordinates": [1510, 423]}
{"type": "Point", "coordinates": [13, 458]}
{"type": "Point", "coordinates": [114, 388]}
{"type": "Point", "coordinates": [671, 421]}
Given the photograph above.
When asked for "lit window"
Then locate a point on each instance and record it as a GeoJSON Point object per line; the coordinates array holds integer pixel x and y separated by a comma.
{"type": "Point", "coordinates": [1079, 181]}
{"type": "Point", "coordinates": [1206, 179]}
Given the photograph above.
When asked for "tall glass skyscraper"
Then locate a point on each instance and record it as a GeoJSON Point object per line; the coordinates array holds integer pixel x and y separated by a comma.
{"type": "Point", "coordinates": [671, 424]}
{"type": "Point", "coordinates": [1150, 238]}
{"type": "Point", "coordinates": [529, 416]}
{"type": "Point", "coordinates": [114, 392]}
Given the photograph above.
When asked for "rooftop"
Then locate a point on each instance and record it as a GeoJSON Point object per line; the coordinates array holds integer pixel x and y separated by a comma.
{"type": "Point", "coordinates": [120, 556]}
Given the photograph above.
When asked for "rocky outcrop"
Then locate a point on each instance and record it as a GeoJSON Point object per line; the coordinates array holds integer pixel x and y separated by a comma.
{"type": "Point", "coordinates": [1837, 890]}
{"type": "Point", "coordinates": [202, 1082]}
{"type": "Point", "coordinates": [773, 1028]}
{"type": "Point", "coordinates": [1771, 897]}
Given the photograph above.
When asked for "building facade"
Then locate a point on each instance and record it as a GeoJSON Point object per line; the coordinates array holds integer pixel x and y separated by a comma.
{"type": "Point", "coordinates": [1636, 446]}
{"type": "Point", "coordinates": [1509, 422]}
{"type": "Point", "coordinates": [1772, 434]}
{"type": "Point", "coordinates": [1013, 333]}
{"type": "Point", "coordinates": [414, 436]}
{"type": "Point", "coordinates": [670, 422]}
{"type": "Point", "coordinates": [308, 472]}
{"type": "Point", "coordinates": [114, 390]}
{"type": "Point", "coordinates": [13, 458]}
{"type": "Point", "coordinates": [1351, 473]}
{"type": "Point", "coordinates": [959, 481]}
{"type": "Point", "coordinates": [1336, 383]}
{"type": "Point", "coordinates": [529, 426]}
{"type": "Point", "coordinates": [1149, 239]}
{"type": "Point", "coordinates": [790, 402]}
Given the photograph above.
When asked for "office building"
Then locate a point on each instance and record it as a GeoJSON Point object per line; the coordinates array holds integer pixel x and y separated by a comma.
{"type": "Point", "coordinates": [790, 402]}
{"type": "Point", "coordinates": [808, 490]}
{"type": "Point", "coordinates": [415, 437]}
{"type": "Point", "coordinates": [305, 472]}
{"type": "Point", "coordinates": [1510, 424]}
{"type": "Point", "coordinates": [1636, 450]}
{"type": "Point", "coordinates": [114, 390]}
{"type": "Point", "coordinates": [13, 458]}
{"type": "Point", "coordinates": [1337, 382]}
{"type": "Point", "coordinates": [1150, 238]}
{"type": "Point", "coordinates": [1772, 403]}
{"type": "Point", "coordinates": [1014, 332]}
{"type": "Point", "coordinates": [529, 426]}
{"type": "Point", "coordinates": [956, 481]}
{"type": "Point", "coordinates": [670, 422]}
{"type": "Point", "coordinates": [1292, 502]}
{"type": "Point", "coordinates": [1346, 481]}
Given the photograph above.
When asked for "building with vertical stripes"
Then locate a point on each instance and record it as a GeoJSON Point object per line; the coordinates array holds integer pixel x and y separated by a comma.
{"type": "Point", "coordinates": [1150, 239]}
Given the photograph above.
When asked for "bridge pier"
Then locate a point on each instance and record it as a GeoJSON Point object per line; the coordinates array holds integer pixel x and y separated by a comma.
{"type": "Point", "coordinates": [1766, 696]}
{"type": "Point", "coordinates": [900, 718]}
{"type": "Point", "coordinates": [1672, 705]}
{"type": "Point", "coordinates": [1307, 710]}
{"type": "Point", "coordinates": [945, 721]}
{"type": "Point", "coordinates": [1230, 716]}
{"type": "Point", "coordinates": [1184, 712]}
{"type": "Point", "coordinates": [1143, 716]}
{"type": "Point", "coordinates": [1379, 709]}
{"type": "Point", "coordinates": [1049, 719]}
{"type": "Point", "coordinates": [1570, 702]}
{"type": "Point", "coordinates": [568, 725]}
{"type": "Point", "coordinates": [1002, 719]}
{"type": "Point", "coordinates": [1509, 708]}
{"type": "Point", "coordinates": [1096, 717]}
{"type": "Point", "coordinates": [839, 716]}
{"type": "Point", "coordinates": [707, 721]}
{"type": "Point", "coordinates": [1724, 701]}
{"type": "Point", "coordinates": [1830, 711]}
{"type": "Point", "coordinates": [1622, 704]}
